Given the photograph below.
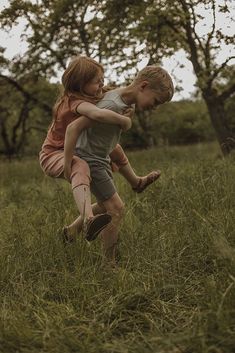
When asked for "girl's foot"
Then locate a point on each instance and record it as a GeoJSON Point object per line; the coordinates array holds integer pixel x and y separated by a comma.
{"type": "Point", "coordinates": [93, 226]}
{"type": "Point", "coordinates": [145, 181]}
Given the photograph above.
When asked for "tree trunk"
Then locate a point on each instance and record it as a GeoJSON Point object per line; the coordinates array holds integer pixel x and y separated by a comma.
{"type": "Point", "coordinates": [146, 128]}
{"type": "Point", "coordinates": [225, 136]}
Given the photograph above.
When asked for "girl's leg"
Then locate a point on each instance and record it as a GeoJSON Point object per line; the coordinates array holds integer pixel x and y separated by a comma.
{"type": "Point", "coordinates": [129, 174]}
{"type": "Point", "coordinates": [121, 163]}
{"type": "Point", "coordinates": [53, 165]}
{"type": "Point", "coordinates": [82, 197]}
{"type": "Point", "coordinates": [139, 184]}
{"type": "Point", "coordinates": [115, 207]}
{"type": "Point", "coordinates": [80, 181]}
{"type": "Point", "coordinates": [93, 225]}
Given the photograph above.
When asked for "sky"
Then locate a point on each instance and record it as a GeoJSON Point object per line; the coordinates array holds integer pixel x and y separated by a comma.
{"type": "Point", "coordinates": [178, 65]}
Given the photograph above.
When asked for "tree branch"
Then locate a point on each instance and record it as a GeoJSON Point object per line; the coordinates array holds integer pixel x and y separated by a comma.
{"type": "Point", "coordinates": [191, 42]}
{"type": "Point", "coordinates": [25, 93]}
{"type": "Point", "coordinates": [21, 119]}
{"type": "Point", "coordinates": [210, 35]}
{"type": "Point", "coordinates": [194, 30]}
{"type": "Point", "coordinates": [83, 33]}
{"type": "Point", "coordinates": [5, 136]}
{"type": "Point", "coordinates": [216, 72]}
{"type": "Point", "coordinates": [228, 92]}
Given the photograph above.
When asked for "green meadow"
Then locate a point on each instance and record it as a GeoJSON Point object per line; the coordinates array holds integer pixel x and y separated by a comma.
{"type": "Point", "coordinates": [174, 289]}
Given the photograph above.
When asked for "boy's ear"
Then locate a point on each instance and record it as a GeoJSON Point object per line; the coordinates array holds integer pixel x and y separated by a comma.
{"type": "Point", "coordinates": [143, 85]}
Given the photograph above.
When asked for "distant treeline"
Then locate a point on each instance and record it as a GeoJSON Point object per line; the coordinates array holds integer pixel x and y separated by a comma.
{"type": "Point", "coordinates": [26, 113]}
{"type": "Point", "coordinates": [176, 123]}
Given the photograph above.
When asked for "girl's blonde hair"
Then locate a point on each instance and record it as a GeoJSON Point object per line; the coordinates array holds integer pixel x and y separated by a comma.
{"type": "Point", "coordinates": [79, 72]}
{"type": "Point", "coordinates": [159, 80]}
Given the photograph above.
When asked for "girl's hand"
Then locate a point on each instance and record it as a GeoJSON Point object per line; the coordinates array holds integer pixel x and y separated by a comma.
{"type": "Point", "coordinates": [67, 172]}
{"type": "Point", "coordinates": [126, 124]}
{"type": "Point", "coordinates": [129, 112]}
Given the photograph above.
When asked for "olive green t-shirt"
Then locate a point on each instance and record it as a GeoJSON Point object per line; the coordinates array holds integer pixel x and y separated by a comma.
{"type": "Point", "coordinates": [97, 142]}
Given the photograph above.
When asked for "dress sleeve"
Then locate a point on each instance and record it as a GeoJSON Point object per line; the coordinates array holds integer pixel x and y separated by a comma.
{"type": "Point", "coordinates": [74, 103]}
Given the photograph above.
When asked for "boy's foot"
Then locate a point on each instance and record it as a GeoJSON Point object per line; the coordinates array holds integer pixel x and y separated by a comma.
{"type": "Point", "coordinates": [66, 237]}
{"type": "Point", "coordinates": [147, 180]}
{"type": "Point", "coordinates": [110, 266]}
{"type": "Point", "coordinates": [94, 225]}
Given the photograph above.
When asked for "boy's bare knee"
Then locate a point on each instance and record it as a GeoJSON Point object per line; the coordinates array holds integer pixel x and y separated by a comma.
{"type": "Point", "coordinates": [117, 210]}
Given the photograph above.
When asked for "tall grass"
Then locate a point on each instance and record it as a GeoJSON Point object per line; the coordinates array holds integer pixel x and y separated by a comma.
{"type": "Point", "coordinates": [174, 289]}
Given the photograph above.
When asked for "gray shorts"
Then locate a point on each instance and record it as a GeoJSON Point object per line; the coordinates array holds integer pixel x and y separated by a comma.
{"type": "Point", "coordinates": [102, 185]}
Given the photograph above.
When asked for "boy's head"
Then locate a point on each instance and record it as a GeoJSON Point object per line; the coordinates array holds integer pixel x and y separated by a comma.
{"type": "Point", "coordinates": [154, 87]}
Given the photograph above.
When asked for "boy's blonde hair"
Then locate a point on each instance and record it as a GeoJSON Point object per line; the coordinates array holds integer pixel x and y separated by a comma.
{"type": "Point", "coordinates": [158, 79]}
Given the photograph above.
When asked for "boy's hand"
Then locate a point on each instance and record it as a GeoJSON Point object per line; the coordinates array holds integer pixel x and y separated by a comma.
{"type": "Point", "coordinates": [67, 172]}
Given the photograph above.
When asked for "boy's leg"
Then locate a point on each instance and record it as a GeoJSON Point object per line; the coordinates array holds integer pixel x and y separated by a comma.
{"type": "Point", "coordinates": [103, 188]}
{"type": "Point", "coordinates": [115, 207]}
{"type": "Point", "coordinates": [121, 163]}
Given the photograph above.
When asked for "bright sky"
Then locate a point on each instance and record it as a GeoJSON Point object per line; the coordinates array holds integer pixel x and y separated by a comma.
{"type": "Point", "coordinates": [178, 65]}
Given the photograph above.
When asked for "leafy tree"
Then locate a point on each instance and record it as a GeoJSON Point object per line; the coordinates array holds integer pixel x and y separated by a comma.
{"type": "Point", "coordinates": [54, 31]}
{"type": "Point", "coordinates": [166, 26]}
{"type": "Point", "coordinates": [57, 29]}
{"type": "Point", "coordinates": [25, 107]}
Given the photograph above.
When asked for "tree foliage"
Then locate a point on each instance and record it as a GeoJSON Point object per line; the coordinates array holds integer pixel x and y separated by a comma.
{"type": "Point", "coordinates": [162, 27]}
{"type": "Point", "coordinates": [25, 108]}
{"type": "Point", "coordinates": [122, 34]}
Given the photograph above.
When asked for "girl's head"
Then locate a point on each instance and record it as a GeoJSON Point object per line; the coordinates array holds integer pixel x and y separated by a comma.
{"type": "Point", "coordinates": [83, 77]}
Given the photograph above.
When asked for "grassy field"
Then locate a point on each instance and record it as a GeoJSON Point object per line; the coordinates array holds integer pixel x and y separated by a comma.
{"type": "Point", "coordinates": [174, 291]}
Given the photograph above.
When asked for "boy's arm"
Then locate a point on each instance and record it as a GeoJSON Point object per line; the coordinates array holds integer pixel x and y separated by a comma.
{"type": "Point", "coordinates": [71, 135]}
{"type": "Point", "coordinates": [104, 115]}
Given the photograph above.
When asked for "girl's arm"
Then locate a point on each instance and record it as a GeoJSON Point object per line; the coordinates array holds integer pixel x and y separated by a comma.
{"type": "Point", "coordinates": [71, 135]}
{"type": "Point", "coordinates": [104, 115]}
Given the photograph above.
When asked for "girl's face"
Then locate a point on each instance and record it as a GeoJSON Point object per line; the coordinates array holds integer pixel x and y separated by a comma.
{"type": "Point", "coordinates": [94, 87]}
